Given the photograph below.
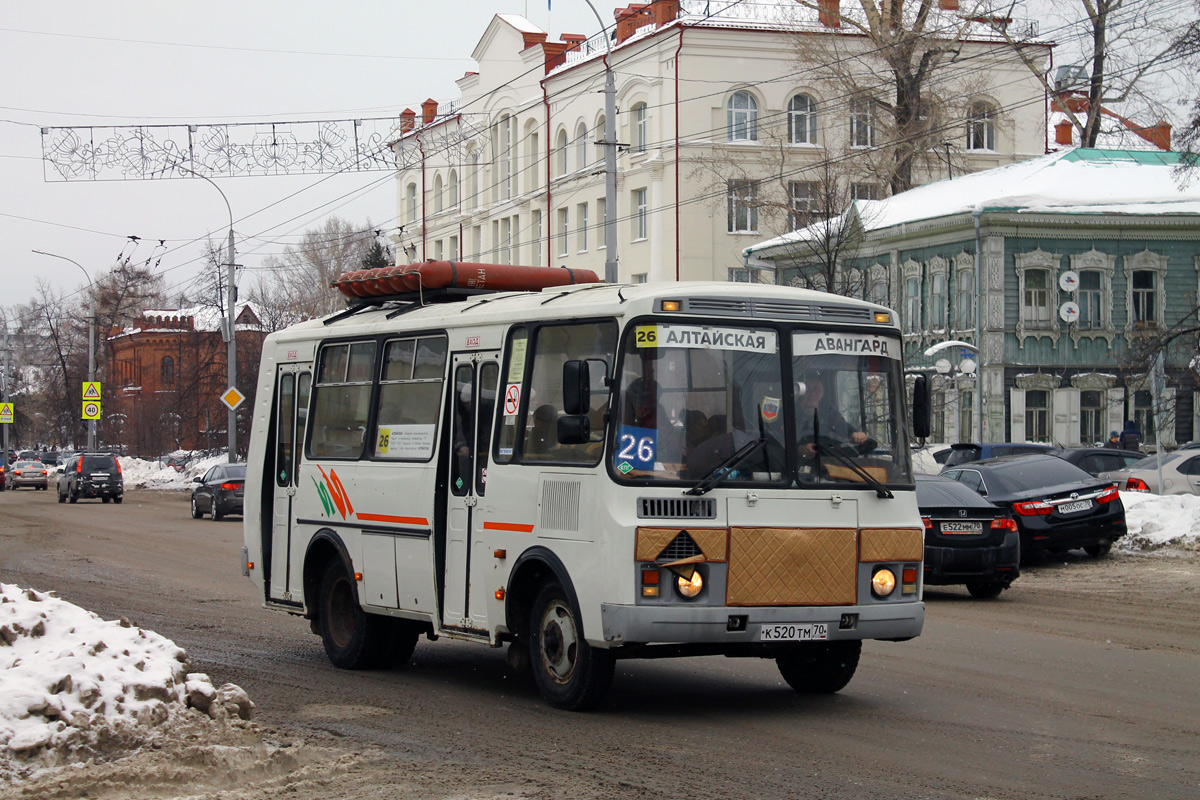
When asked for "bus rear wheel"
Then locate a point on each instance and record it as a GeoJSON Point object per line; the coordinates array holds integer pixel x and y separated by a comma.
{"type": "Point", "coordinates": [819, 667]}
{"type": "Point", "coordinates": [353, 638]}
{"type": "Point", "coordinates": [570, 674]}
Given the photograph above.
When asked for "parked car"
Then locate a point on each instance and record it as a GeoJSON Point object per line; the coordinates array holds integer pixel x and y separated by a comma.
{"type": "Point", "coordinates": [966, 452]}
{"type": "Point", "coordinates": [968, 540]}
{"type": "Point", "coordinates": [91, 475]}
{"type": "Point", "coordinates": [1099, 459]}
{"type": "Point", "coordinates": [219, 491]}
{"type": "Point", "coordinates": [3, 479]}
{"type": "Point", "coordinates": [1180, 474]}
{"type": "Point", "coordinates": [28, 473]}
{"type": "Point", "coordinates": [1057, 506]}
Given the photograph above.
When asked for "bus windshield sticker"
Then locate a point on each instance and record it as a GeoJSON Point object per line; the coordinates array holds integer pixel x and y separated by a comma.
{"type": "Point", "coordinates": [512, 399]}
{"type": "Point", "coordinates": [516, 361]}
{"type": "Point", "coordinates": [705, 337]}
{"type": "Point", "coordinates": [405, 441]}
{"type": "Point", "coordinates": [770, 409]}
{"type": "Point", "coordinates": [845, 344]}
{"type": "Point", "coordinates": [636, 448]}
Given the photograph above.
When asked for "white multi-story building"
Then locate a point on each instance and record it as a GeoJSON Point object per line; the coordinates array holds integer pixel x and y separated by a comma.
{"type": "Point", "coordinates": [726, 135]}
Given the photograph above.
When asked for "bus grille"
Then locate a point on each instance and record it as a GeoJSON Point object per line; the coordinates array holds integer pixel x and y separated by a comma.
{"type": "Point", "coordinates": [677, 508]}
{"type": "Point", "coordinates": [682, 546]}
{"type": "Point", "coordinates": [560, 505]}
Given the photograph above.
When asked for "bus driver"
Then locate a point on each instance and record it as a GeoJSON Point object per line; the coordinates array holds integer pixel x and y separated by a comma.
{"type": "Point", "coordinates": [816, 419]}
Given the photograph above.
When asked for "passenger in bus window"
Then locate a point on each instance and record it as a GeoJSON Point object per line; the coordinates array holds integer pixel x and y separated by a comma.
{"type": "Point", "coordinates": [816, 417]}
{"type": "Point", "coordinates": [644, 413]}
{"type": "Point", "coordinates": [543, 436]}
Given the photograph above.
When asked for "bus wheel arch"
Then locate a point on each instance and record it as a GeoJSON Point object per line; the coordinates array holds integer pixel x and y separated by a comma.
{"type": "Point", "coordinates": [535, 567]}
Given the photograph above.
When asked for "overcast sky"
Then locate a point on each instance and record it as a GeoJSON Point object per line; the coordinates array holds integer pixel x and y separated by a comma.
{"type": "Point", "coordinates": [133, 62]}
{"type": "Point", "coordinates": [130, 62]}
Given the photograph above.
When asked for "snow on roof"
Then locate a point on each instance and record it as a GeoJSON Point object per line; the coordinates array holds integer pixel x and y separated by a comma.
{"type": "Point", "coordinates": [1077, 181]}
{"type": "Point", "coordinates": [520, 23]}
{"type": "Point", "coordinates": [205, 319]}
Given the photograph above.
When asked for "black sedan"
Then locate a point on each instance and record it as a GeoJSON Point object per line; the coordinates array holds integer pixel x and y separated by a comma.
{"type": "Point", "coordinates": [219, 492]}
{"type": "Point", "coordinates": [967, 539]}
{"type": "Point", "coordinates": [1056, 505]}
{"type": "Point", "coordinates": [1095, 460]}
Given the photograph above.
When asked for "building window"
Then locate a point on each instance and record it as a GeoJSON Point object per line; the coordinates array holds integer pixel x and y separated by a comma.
{"type": "Point", "coordinates": [912, 304]}
{"type": "Point", "coordinates": [437, 194]}
{"type": "Point", "coordinates": [937, 302]}
{"type": "Point", "coordinates": [453, 248]}
{"type": "Point", "coordinates": [1145, 298]}
{"type": "Point", "coordinates": [981, 127]}
{"type": "Point", "coordinates": [1091, 417]}
{"type": "Point", "coordinates": [804, 204]}
{"type": "Point", "coordinates": [452, 189]}
{"type": "Point", "coordinates": [536, 229]}
{"type": "Point", "coordinates": [879, 291]}
{"type": "Point", "coordinates": [743, 118]}
{"type": "Point", "coordinates": [965, 302]}
{"type": "Point", "coordinates": [802, 120]}
{"type": "Point", "coordinates": [640, 133]}
{"type": "Point", "coordinates": [742, 204]}
{"type": "Point", "coordinates": [167, 371]}
{"type": "Point", "coordinates": [864, 191]}
{"type": "Point", "coordinates": [561, 152]}
{"type": "Point", "coordinates": [1143, 413]}
{"type": "Point", "coordinates": [581, 230]}
{"type": "Point", "coordinates": [641, 224]}
{"type": "Point", "coordinates": [581, 143]}
{"type": "Point", "coordinates": [1037, 415]}
{"type": "Point", "coordinates": [639, 278]}
{"type": "Point", "coordinates": [1091, 297]}
{"type": "Point", "coordinates": [966, 416]}
{"type": "Point", "coordinates": [477, 241]}
{"type": "Point", "coordinates": [862, 123]}
{"type": "Point", "coordinates": [564, 231]}
{"type": "Point", "coordinates": [439, 250]}
{"type": "Point", "coordinates": [410, 200]}
{"type": "Point", "coordinates": [1035, 306]}
{"type": "Point", "coordinates": [473, 180]}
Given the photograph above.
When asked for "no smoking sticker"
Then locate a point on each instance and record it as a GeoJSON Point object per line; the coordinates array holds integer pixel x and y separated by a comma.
{"type": "Point", "coordinates": [512, 399]}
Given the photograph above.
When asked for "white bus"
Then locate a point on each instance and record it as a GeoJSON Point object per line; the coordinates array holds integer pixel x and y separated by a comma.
{"type": "Point", "coordinates": [587, 473]}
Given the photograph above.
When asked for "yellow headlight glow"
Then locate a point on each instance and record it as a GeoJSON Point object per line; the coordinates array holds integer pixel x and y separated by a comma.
{"type": "Point", "coordinates": [689, 588]}
{"type": "Point", "coordinates": [883, 582]}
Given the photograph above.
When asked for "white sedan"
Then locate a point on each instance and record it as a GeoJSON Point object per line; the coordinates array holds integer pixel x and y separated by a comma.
{"type": "Point", "coordinates": [1180, 474]}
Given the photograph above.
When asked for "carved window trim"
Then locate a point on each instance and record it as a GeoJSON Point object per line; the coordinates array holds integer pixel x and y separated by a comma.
{"type": "Point", "coordinates": [934, 268]}
{"type": "Point", "coordinates": [1106, 265]}
{"type": "Point", "coordinates": [964, 263]}
{"type": "Point", "coordinates": [1147, 261]}
{"type": "Point", "coordinates": [879, 277]}
{"type": "Point", "coordinates": [911, 303]}
{"type": "Point", "coordinates": [1093, 381]}
{"type": "Point", "coordinates": [1026, 262]}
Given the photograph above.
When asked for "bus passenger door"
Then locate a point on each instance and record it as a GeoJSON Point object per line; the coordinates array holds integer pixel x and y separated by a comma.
{"type": "Point", "coordinates": [293, 384]}
{"type": "Point", "coordinates": [472, 412]}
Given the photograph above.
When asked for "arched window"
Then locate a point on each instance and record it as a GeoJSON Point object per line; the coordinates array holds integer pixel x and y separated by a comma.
{"type": "Point", "coordinates": [437, 194]}
{"type": "Point", "coordinates": [640, 134]}
{"type": "Point", "coordinates": [598, 136]}
{"type": "Point", "coordinates": [167, 371]}
{"type": "Point", "coordinates": [560, 148]}
{"type": "Point", "coordinates": [802, 120]}
{"type": "Point", "coordinates": [981, 127]}
{"type": "Point", "coordinates": [452, 189]}
{"type": "Point", "coordinates": [410, 201]}
{"type": "Point", "coordinates": [743, 118]}
{"type": "Point", "coordinates": [581, 142]}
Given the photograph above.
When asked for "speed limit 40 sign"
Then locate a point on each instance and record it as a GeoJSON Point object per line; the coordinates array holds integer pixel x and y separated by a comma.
{"type": "Point", "coordinates": [91, 409]}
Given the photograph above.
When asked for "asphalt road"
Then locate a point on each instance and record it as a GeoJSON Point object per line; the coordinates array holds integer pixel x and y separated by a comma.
{"type": "Point", "coordinates": [1083, 681]}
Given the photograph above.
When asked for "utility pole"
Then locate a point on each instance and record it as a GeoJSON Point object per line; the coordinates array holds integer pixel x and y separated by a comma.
{"type": "Point", "coordinates": [91, 444]}
{"type": "Point", "coordinates": [5, 399]}
{"type": "Point", "coordinates": [231, 345]}
{"type": "Point", "coordinates": [610, 157]}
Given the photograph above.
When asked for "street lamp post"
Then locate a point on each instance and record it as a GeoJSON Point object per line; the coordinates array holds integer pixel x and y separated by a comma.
{"type": "Point", "coordinates": [228, 324]}
{"type": "Point", "coordinates": [91, 339]}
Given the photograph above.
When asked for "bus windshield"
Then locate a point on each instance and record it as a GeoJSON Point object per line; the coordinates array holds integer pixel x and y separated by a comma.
{"type": "Point", "coordinates": [824, 407]}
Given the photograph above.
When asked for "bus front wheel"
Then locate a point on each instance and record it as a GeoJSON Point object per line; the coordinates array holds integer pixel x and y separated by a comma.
{"type": "Point", "coordinates": [820, 667]}
{"type": "Point", "coordinates": [353, 638]}
{"type": "Point", "coordinates": [570, 674]}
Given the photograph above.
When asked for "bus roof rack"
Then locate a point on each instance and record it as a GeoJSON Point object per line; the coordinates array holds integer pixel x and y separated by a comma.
{"type": "Point", "coordinates": [408, 301]}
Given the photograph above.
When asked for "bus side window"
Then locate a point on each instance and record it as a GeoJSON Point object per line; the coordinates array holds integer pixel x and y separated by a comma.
{"type": "Point", "coordinates": [489, 375]}
{"type": "Point", "coordinates": [514, 379]}
{"type": "Point", "coordinates": [342, 400]}
{"type": "Point", "coordinates": [410, 392]}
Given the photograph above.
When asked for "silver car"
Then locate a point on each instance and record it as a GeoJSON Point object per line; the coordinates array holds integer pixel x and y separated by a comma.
{"type": "Point", "coordinates": [28, 473]}
{"type": "Point", "coordinates": [1180, 474]}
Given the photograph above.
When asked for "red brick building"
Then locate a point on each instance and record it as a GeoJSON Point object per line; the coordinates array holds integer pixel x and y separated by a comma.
{"type": "Point", "coordinates": [165, 377]}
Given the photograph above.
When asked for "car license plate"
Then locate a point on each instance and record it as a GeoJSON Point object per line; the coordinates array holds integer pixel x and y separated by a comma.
{"type": "Point", "coordinates": [1071, 508]}
{"type": "Point", "coordinates": [783, 632]}
{"type": "Point", "coordinates": [962, 527]}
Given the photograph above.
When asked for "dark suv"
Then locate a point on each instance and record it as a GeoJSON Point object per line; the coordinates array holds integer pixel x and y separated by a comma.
{"type": "Point", "coordinates": [91, 475]}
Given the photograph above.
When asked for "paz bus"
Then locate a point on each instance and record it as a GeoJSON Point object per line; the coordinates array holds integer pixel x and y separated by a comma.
{"type": "Point", "coordinates": [587, 472]}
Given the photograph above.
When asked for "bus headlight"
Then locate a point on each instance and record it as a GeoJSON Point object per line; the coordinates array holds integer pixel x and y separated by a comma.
{"type": "Point", "coordinates": [689, 587]}
{"type": "Point", "coordinates": [883, 582]}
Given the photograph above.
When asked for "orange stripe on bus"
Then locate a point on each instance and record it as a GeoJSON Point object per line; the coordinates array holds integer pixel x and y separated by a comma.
{"type": "Point", "coordinates": [398, 520]}
{"type": "Point", "coordinates": [507, 526]}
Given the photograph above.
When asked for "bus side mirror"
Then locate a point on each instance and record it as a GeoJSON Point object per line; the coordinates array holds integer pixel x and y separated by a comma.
{"type": "Point", "coordinates": [575, 429]}
{"type": "Point", "coordinates": [577, 388]}
{"type": "Point", "coordinates": [921, 403]}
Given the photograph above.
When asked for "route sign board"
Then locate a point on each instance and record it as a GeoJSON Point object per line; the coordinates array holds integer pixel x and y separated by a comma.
{"type": "Point", "coordinates": [6, 413]}
{"type": "Point", "coordinates": [91, 390]}
{"type": "Point", "coordinates": [91, 409]}
{"type": "Point", "coordinates": [233, 398]}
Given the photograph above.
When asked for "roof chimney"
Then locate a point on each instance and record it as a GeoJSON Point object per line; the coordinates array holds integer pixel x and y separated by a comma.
{"type": "Point", "coordinates": [1158, 135]}
{"type": "Point", "coordinates": [407, 120]}
{"type": "Point", "coordinates": [948, 5]}
{"type": "Point", "coordinates": [1064, 133]}
{"type": "Point", "coordinates": [829, 12]}
{"type": "Point", "coordinates": [664, 11]}
{"type": "Point", "coordinates": [428, 111]}
{"type": "Point", "coordinates": [573, 40]}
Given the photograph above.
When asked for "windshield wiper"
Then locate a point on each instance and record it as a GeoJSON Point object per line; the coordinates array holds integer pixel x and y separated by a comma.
{"type": "Point", "coordinates": [880, 490]}
{"type": "Point", "coordinates": [725, 468]}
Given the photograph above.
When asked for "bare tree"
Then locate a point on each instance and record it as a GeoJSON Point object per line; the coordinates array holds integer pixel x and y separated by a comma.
{"type": "Point", "coordinates": [1187, 49]}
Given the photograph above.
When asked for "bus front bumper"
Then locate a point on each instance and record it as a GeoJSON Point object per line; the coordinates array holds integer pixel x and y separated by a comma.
{"type": "Point", "coordinates": [658, 624]}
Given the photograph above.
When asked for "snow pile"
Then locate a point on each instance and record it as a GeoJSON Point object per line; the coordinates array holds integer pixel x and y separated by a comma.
{"type": "Point", "coordinates": [74, 687]}
{"type": "Point", "coordinates": [141, 474]}
{"type": "Point", "coordinates": [1157, 523]}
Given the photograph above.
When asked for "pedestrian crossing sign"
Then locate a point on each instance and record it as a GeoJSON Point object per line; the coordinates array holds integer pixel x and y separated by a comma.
{"type": "Point", "coordinates": [6, 413]}
{"type": "Point", "coordinates": [91, 390]}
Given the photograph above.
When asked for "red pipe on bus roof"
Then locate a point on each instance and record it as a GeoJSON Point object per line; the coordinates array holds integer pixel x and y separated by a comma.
{"type": "Point", "coordinates": [384, 281]}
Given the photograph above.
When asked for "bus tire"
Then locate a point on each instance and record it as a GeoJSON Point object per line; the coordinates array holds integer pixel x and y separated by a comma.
{"type": "Point", "coordinates": [819, 667]}
{"type": "Point", "coordinates": [570, 674]}
{"type": "Point", "coordinates": [353, 638]}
